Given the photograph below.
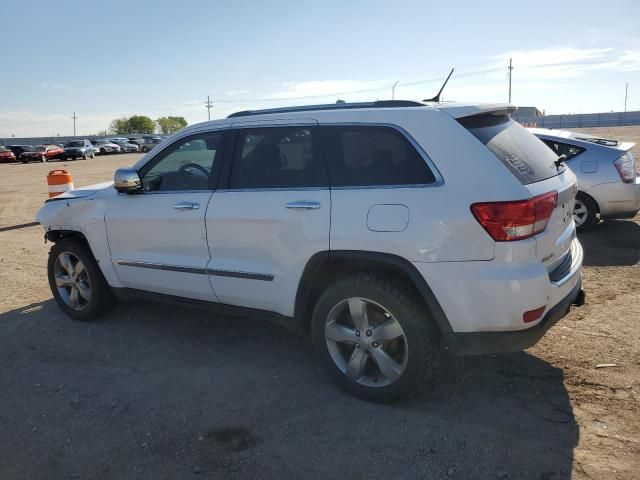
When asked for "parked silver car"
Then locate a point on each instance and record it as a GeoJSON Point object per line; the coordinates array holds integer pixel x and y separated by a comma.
{"type": "Point", "coordinates": [125, 145]}
{"type": "Point", "coordinates": [608, 184]}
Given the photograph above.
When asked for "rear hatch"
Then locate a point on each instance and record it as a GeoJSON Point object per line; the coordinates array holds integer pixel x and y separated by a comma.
{"type": "Point", "coordinates": [533, 164]}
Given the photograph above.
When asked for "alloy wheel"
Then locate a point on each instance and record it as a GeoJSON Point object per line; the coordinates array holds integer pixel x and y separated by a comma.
{"type": "Point", "coordinates": [72, 281]}
{"type": "Point", "coordinates": [580, 212]}
{"type": "Point", "coordinates": [366, 342]}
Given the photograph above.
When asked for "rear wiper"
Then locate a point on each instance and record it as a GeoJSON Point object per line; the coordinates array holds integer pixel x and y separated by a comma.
{"type": "Point", "coordinates": [561, 159]}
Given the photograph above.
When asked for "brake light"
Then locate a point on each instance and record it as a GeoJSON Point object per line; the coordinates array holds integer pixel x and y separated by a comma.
{"type": "Point", "coordinates": [516, 220]}
{"type": "Point", "coordinates": [626, 167]}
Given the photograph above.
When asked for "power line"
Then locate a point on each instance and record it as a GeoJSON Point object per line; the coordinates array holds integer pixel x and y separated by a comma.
{"type": "Point", "coordinates": [209, 105]}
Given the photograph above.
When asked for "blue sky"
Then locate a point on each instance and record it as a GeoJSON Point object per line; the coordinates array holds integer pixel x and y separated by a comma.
{"type": "Point", "coordinates": [110, 59]}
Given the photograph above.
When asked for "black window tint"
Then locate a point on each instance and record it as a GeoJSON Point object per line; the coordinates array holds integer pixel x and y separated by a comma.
{"type": "Point", "coordinates": [560, 148]}
{"type": "Point", "coordinates": [371, 156]}
{"type": "Point", "coordinates": [279, 157]}
{"type": "Point", "coordinates": [187, 164]}
{"type": "Point", "coordinates": [517, 148]}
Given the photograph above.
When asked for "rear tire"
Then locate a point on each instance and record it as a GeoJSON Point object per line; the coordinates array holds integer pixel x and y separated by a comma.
{"type": "Point", "coordinates": [71, 266]}
{"type": "Point", "coordinates": [408, 347]}
{"type": "Point", "coordinates": [585, 212]}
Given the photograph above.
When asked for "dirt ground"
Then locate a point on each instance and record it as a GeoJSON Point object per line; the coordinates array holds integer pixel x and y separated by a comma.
{"type": "Point", "coordinates": [156, 391]}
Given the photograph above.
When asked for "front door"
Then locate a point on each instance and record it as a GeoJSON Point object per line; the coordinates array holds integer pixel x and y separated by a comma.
{"type": "Point", "coordinates": [272, 217]}
{"type": "Point", "coordinates": [157, 238]}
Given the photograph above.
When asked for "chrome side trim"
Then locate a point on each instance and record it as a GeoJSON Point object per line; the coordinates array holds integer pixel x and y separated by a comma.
{"type": "Point", "coordinates": [267, 277]}
{"type": "Point", "coordinates": [161, 266]}
{"type": "Point", "coordinates": [197, 270]}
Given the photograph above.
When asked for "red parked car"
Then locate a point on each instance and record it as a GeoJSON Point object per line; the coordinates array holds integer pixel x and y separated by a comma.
{"type": "Point", "coordinates": [6, 155]}
{"type": "Point", "coordinates": [41, 153]}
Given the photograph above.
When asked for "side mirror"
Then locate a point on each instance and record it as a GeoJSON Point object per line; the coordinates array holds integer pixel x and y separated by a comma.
{"type": "Point", "coordinates": [126, 180]}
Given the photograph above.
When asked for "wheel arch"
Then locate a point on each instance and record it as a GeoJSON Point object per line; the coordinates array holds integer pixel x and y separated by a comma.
{"type": "Point", "coordinates": [326, 267]}
{"type": "Point", "coordinates": [595, 202]}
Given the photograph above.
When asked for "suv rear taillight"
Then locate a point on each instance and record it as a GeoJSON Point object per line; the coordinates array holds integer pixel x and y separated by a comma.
{"type": "Point", "coordinates": [508, 221]}
{"type": "Point", "coordinates": [626, 166]}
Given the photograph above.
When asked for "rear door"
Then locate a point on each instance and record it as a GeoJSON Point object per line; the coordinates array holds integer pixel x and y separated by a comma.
{"type": "Point", "coordinates": [532, 163]}
{"type": "Point", "coordinates": [273, 215]}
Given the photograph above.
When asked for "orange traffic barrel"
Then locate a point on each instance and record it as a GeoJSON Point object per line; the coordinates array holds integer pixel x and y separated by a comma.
{"type": "Point", "coordinates": [59, 181]}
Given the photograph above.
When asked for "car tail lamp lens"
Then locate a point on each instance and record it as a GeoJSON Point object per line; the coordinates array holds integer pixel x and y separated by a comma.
{"type": "Point", "coordinates": [517, 220]}
{"type": "Point", "coordinates": [626, 166]}
{"type": "Point", "coordinates": [533, 315]}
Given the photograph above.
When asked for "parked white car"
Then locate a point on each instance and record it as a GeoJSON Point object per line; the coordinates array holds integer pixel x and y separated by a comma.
{"type": "Point", "coordinates": [381, 228]}
{"type": "Point", "coordinates": [608, 185]}
{"type": "Point", "coordinates": [104, 147]}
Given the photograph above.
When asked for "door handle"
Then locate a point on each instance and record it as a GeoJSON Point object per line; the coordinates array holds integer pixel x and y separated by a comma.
{"type": "Point", "coordinates": [303, 205]}
{"type": "Point", "coordinates": [186, 206]}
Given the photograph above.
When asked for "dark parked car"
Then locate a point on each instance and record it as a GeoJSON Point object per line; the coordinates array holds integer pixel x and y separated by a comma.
{"type": "Point", "coordinates": [20, 149]}
{"type": "Point", "coordinates": [78, 149]}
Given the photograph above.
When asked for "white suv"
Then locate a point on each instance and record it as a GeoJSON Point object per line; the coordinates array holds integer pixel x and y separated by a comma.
{"type": "Point", "coordinates": [381, 228]}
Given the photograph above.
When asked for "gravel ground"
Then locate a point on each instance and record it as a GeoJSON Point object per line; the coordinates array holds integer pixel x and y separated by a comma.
{"type": "Point", "coordinates": [156, 391]}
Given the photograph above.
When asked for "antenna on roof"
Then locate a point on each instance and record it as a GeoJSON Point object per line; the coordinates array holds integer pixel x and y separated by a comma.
{"type": "Point", "coordinates": [437, 97]}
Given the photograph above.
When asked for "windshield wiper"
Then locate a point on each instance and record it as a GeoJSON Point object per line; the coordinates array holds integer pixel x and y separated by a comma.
{"type": "Point", "coordinates": [561, 159]}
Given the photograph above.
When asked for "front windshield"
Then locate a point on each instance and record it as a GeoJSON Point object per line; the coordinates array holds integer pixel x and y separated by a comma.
{"type": "Point", "coordinates": [40, 148]}
{"type": "Point", "coordinates": [28, 149]}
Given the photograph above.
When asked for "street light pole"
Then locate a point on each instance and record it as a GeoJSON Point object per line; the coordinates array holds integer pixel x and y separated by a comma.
{"type": "Point", "coordinates": [393, 91]}
{"type": "Point", "coordinates": [626, 94]}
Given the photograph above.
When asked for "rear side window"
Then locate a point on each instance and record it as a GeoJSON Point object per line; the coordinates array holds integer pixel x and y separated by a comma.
{"type": "Point", "coordinates": [372, 156]}
{"type": "Point", "coordinates": [560, 148]}
{"type": "Point", "coordinates": [277, 157]}
{"type": "Point", "coordinates": [518, 149]}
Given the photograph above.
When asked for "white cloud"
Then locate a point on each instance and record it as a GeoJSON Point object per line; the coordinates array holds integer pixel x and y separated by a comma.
{"type": "Point", "coordinates": [55, 86]}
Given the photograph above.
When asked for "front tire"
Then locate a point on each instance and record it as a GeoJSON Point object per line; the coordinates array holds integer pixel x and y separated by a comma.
{"type": "Point", "coordinates": [76, 282]}
{"type": "Point", "coordinates": [375, 336]}
{"type": "Point", "coordinates": [584, 212]}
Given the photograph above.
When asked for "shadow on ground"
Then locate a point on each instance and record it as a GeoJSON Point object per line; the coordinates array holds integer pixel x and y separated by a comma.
{"type": "Point", "coordinates": [157, 391]}
{"type": "Point", "coordinates": [611, 243]}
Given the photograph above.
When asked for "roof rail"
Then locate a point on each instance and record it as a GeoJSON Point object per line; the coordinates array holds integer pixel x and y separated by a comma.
{"type": "Point", "coordinates": [331, 106]}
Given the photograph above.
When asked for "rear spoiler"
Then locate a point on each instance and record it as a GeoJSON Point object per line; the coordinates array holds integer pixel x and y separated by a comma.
{"type": "Point", "coordinates": [462, 111]}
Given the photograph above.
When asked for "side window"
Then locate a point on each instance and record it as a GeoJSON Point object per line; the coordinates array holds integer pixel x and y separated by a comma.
{"type": "Point", "coordinates": [373, 156]}
{"type": "Point", "coordinates": [277, 157]}
{"type": "Point", "coordinates": [185, 165]}
{"type": "Point", "coordinates": [560, 148]}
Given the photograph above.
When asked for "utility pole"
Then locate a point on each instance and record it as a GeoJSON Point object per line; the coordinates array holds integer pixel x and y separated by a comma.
{"type": "Point", "coordinates": [393, 91]}
{"type": "Point", "coordinates": [209, 105]}
{"type": "Point", "coordinates": [626, 94]}
{"type": "Point", "coordinates": [74, 123]}
{"type": "Point", "coordinates": [510, 70]}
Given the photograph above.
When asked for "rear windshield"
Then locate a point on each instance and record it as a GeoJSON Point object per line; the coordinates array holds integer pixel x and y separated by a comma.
{"type": "Point", "coordinates": [519, 150]}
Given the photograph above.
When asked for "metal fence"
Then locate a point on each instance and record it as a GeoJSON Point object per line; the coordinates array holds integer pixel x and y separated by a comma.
{"type": "Point", "coordinates": [50, 140]}
{"type": "Point", "coordinates": [611, 119]}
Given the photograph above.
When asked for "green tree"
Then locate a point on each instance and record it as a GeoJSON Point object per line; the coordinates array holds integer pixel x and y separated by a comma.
{"type": "Point", "coordinates": [169, 125]}
{"type": "Point", "coordinates": [141, 124]}
{"type": "Point", "coordinates": [120, 126]}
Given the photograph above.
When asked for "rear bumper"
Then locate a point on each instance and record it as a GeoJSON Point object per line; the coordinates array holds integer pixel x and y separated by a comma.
{"type": "Point", "coordinates": [617, 199]}
{"type": "Point", "coordinates": [479, 343]}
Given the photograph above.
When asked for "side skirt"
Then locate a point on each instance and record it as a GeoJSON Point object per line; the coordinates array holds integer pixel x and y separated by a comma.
{"type": "Point", "coordinates": [131, 294]}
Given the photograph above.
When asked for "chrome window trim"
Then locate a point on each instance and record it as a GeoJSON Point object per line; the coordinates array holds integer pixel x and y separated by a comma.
{"type": "Point", "coordinates": [267, 277]}
{"type": "Point", "coordinates": [273, 189]}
